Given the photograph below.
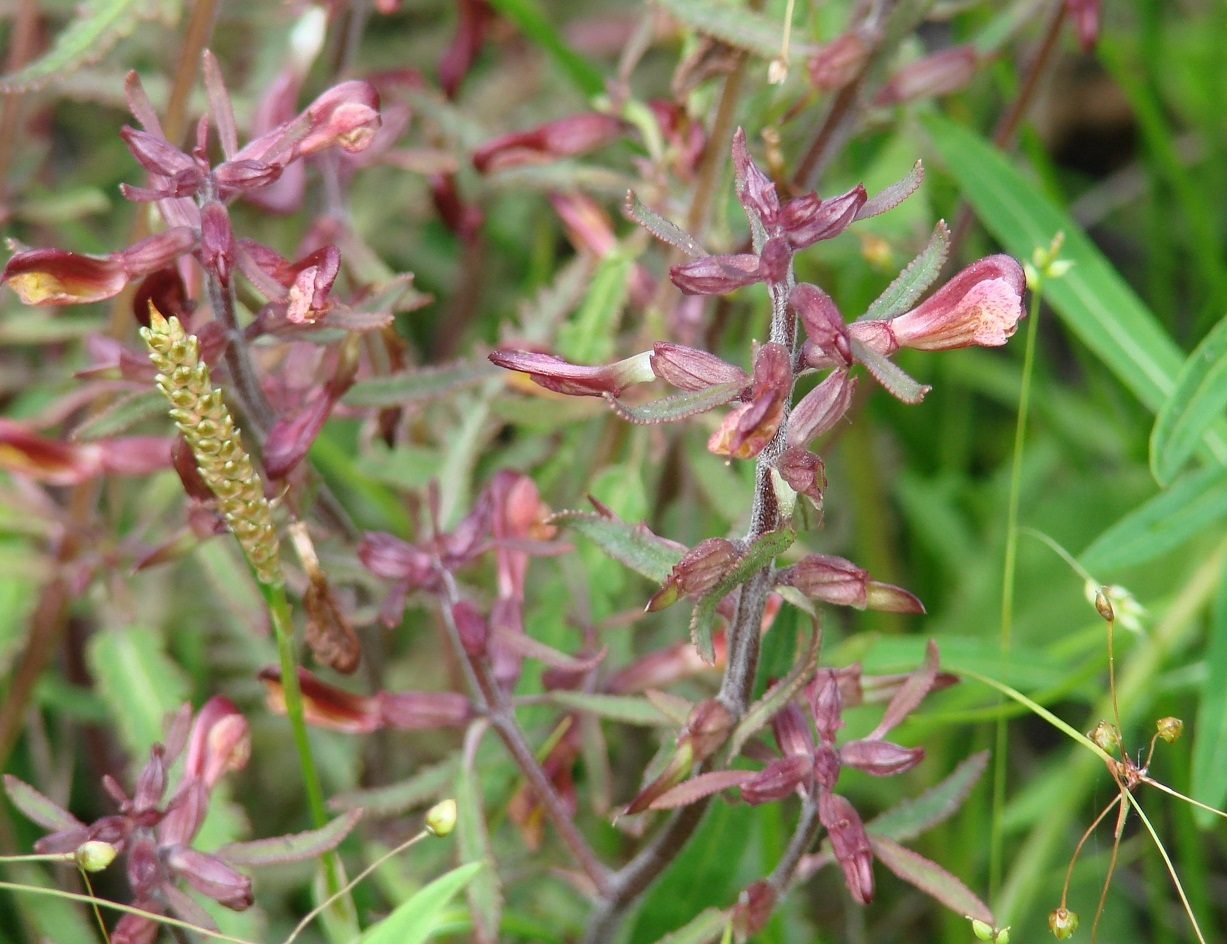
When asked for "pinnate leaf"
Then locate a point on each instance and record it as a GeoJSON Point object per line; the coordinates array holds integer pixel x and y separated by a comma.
{"type": "Point", "coordinates": [298, 847]}
{"type": "Point", "coordinates": [97, 27]}
{"type": "Point", "coordinates": [678, 406]}
{"type": "Point", "coordinates": [930, 878]}
{"type": "Point", "coordinates": [912, 282]}
{"type": "Point", "coordinates": [630, 544]}
{"type": "Point", "coordinates": [36, 807]}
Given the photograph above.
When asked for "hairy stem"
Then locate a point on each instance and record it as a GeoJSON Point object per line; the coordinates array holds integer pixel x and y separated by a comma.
{"type": "Point", "coordinates": [499, 712]}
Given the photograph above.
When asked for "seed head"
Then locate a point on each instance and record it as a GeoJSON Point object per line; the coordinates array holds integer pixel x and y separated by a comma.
{"type": "Point", "coordinates": [203, 418]}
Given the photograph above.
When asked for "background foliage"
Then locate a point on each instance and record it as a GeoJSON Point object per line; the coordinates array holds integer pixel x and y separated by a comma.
{"type": "Point", "coordinates": [1124, 150]}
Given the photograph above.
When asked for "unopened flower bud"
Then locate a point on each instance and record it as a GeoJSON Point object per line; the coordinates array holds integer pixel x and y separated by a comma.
{"type": "Point", "coordinates": [707, 728]}
{"type": "Point", "coordinates": [1169, 728]}
{"type": "Point", "coordinates": [833, 65]}
{"type": "Point", "coordinates": [1103, 605]}
{"type": "Point", "coordinates": [700, 569]}
{"type": "Point", "coordinates": [576, 134]}
{"type": "Point", "coordinates": [820, 409]}
{"type": "Point", "coordinates": [1105, 736]}
{"type": "Point", "coordinates": [578, 380]}
{"type": "Point", "coordinates": [715, 275]}
{"type": "Point", "coordinates": [441, 818]}
{"type": "Point", "coordinates": [753, 908]}
{"type": "Point", "coordinates": [804, 473]}
{"type": "Point", "coordinates": [94, 855]}
{"type": "Point", "coordinates": [691, 368]}
{"type": "Point", "coordinates": [828, 578]}
{"type": "Point", "coordinates": [828, 344]}
{"type": "Point", "coordinates": [1062, 923]}
{"type": "Point", "coordinates": [938, 74]}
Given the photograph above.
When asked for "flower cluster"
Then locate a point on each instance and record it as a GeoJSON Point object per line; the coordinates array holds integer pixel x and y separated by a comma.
{"type": "Point", "coordinates": [192, 198]}
{"type": "Point", "coordinates": [155, 833]}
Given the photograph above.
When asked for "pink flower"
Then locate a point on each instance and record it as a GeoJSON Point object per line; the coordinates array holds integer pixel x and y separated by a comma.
{"type": "Point", "coordinates": [979, 306]}
{"type": "Point", "coordinates": [578, 380]}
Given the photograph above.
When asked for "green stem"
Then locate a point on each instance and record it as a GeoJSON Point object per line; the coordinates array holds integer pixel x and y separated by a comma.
{"type": "Point", "coordinates": [1008, 575]}
{"type": "Point", "coordinates": [283, 629]}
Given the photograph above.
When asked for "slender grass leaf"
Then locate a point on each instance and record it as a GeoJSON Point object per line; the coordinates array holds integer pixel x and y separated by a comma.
{"type": "Point", "coordinates": [759, 554]}
{"type": "Point", "coordinates": [930, 878]}
{"type": "Point", "coordinates": [1198, 400]}
{"type": "Point", "coordinates": [413, 921]}
{"type": "Point", "coordinates": [588, 337]}
{"type": "Point", "coordinates": [630, 544]}
{"type": "Point", "coordinates": [1092, 299]}
{"type": "Point", "coordinates": [679, 406]}
{"type": "Point", "coordinates": [417, 386]}
{"type": "Point", "coordinates": [909, 818]}
{"type": "Point", "coordinates": [533, 21]}
{"type": "Point", "coordinates": [98, 26]}
{"type": "Point", "coordinates": [298, 847]}
{"type": "Point", "coordinates": [911, 283]}
{"type": "Point", "coordinates": [737, 26]}
{"type": "Point", "coordinates": [1195, 502]}
{"type": "Point", "coordinates": [1209, 778]}
{"type": "Point", "coordinates": [138, 681]}
{"type": "Point", "coordinates": [629, 709]}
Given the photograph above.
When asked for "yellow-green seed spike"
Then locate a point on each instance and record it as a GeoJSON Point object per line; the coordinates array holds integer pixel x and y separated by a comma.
{"type": "Point", "coordinates": [202, 416]}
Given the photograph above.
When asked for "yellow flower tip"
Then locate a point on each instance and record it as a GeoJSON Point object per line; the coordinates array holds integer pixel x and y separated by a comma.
{"type": "Point", "coordinates": [441, 818]}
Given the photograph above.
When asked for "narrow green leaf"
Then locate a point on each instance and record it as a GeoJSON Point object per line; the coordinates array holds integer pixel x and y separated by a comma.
{"type": "Point", "coordinates": [911, 283]}
{"type": "Point", "coordinates": [1195, 502]}
{"type": "Point", "coordinates": [588, 337]}
{"type": "Point", "coordinates": [1209, 778]}
{"type": "Point", "coordinates": [1196, 403]}
{"type": "Point", "coordinates": [122, 415]}
{"type": "Point", "coordinates": [930, 878]}
{"type": "Point", "coordinates": [98, 26]}
{"type": "Point", "coordinates": [429, 783]}
{"type": "Point", "coordinates": [138, 681]}
{"type": "Point", "coordinates": [898, 382]}
{"type": "Point", "coordinates": [298, 847]}
{"type": "Point", "coordinates": [911, 817]}
{"type": "Point", "coordinates": [679, 406]}
{"type": "Point", "coordinates": [1092, 299]}
{"type": "Point", "coordinates": [416, 386]}
{"type": "Point", "coordinates": [413, 921]}
{"type": "Point", "coordinates": [737, 26]}
{"type": "Point", "coordinates": [629, 709]}
{"type": "Point", "coordinates": [707, 925]}
{"type": "Point", "coordinates": [533, 21]}
{"type": "Point", "coordinates": [759, 554]}
{"type": "Point", "coordinates": [630, 544]}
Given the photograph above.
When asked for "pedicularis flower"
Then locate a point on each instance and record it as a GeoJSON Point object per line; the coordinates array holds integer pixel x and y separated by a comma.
{"type": "Point", "coordinates": [981, 305]}
{"type": "Point", "coordinates": [203, 418]}
{"type": "Point", "coordinates": [192, 198]}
